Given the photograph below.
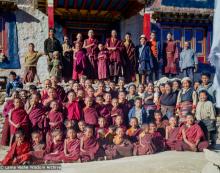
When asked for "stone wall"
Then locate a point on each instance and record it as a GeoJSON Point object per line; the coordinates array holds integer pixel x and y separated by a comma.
{"type": "Point", "coordinates": [32, 27]}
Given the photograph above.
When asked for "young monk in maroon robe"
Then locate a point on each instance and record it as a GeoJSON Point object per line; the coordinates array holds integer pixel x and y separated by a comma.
{"type": "Point", "coordinates": [101, 89]}
{"type": "Point", "coordinates": [122, 146]}
{"type": "Point", "coordinates": [134, 130]}
{"type": "Point", "coordinates": [171, 134]}
{"type": "Point", "coordinates": [18, 118]}
{"type": "Point", "coordinates": [38, 148]}
{"type": "Point", "coordinates": [101, 127]}
{"type": "Point", "coordinates": [90, 113]}
{"type": "Point", "coordinates": [116, 110]}
{"type": "Point", "coordinates": [124, 105]}
{"type": "Point", "coordinates": [18, 152]}
{"type": "Point", "coordinates": [89, 147]}
{"type": "Point", "coordinates": [103, 110]}
{"type": "Point", "coordinates": [44, 91]}
{"type": "Point", "coordinates": [191, 137]}
{"type": "Point", "coordinates": [115, 48]}
{"type": "Point", "coordinates": [59, 89]}
{"type": "Point", "coordinates": [71, 152]}
{"type": "Point", "coordinates": [79, 62]}
{"type": "Point", "coordinates": [91, 46]}
{"type": "Point", "coordinates": [37, 114]}
{"type": "Point", "coordinates": [119, 122]}
{"type": "Point", "coordinates": [160, 124]}
{"type": "Point", "coordinates": [103, 72]}
{"type": "Point", "coordinates": [72, 107]}
{"type": "Point", "coordinates": [54, 148]}
{"type": "Point", "coordinates": [6, 127]}
{"type": "Point", "coordinates": [157, 139]}
{"type": "Point", "coordinates": [145, 144]}
{"type": "Point", "coordinates": [55, 116]}
{"type": "Point", "coordinates": [81, 125]}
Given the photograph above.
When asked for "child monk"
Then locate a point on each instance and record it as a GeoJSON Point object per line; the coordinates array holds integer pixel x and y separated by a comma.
{"type": "Point", "coordinates": [191, 136]}
{"type": "Point", "coordinates": [145, 144]}
{"type": "Point", "coordinates": [90, 113]}
{"type": "Point", "coordinates": [171, 134]}
{"type": "Point", "coordinates": [18, 152]}
{"type": "Point", "coordinates": [18, 118]}
{"type": "Point", "coordinates": [157, 139]}
{"type": "Point", "coordinates": [134, 130]}
{"type": "Point", "coordinates": [160, 123]}
{"type": "Point", "coordinates": [81, 126]}
{"type": "Point", "coordinates": [6, 127]}
{"type": "Point", "coordinates": [103, 110]}
{"type": "Point", "coordinates": [54, 148]}
{"type": "Point", "coordinates": [122, 146]}
{"type": "Point", "coordinates": [102, 63]}
{"type": "Point", "coordinates": [71, 147]}
{"type": "Point", "coordinates": [55, 116]}
{"type": "Point", "coordinates": [88, 146]}
{"type": "Point", "coordinates": [116, 110]}
{"type": "Point", "coordinates": [101, 126]}
{"type": "Point", "coordinates": [37, 149]}
{"type": "Point", "coordinates": [119, 122]}
{"type": "Point", "coordinates": [72, 107]}
{"type": "Point", "coordinates": [37, 113]}
{"type": "Point", "coordinates": [44, 91]}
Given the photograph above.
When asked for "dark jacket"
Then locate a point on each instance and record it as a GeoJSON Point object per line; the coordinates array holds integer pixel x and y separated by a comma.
{"type": "Point", "coordinates": [52, 45]}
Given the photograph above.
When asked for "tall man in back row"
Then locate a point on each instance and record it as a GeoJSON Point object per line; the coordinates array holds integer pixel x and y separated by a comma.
{"type": "Point", "coordinates": [51, 44]}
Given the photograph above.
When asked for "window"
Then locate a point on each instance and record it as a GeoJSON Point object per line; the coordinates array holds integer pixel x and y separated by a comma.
{"type": "Point", "coordinates": [199, 41]}
{"type": "Point", "coordinates": [189, 37]}
{"type": "Point", "coordinates": [177, 34]}
{"type": "Point", "coordinates": [1, 34]}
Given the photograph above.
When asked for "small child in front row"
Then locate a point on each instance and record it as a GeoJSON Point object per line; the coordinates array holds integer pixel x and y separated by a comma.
{"type": "Point", "coordinates": [37, 148]}
{"type": "Point", "coordinates": [18, 152]}
{"type": "Point", "coordinates": [71, 152]}
{"type": "Point", "coordinates": [205, 113]}
{"type": "Point", "coordinates": [134, 130]}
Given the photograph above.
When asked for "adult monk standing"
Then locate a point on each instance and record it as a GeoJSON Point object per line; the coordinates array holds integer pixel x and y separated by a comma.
{"type": "Point", "coordinates": [51, 44]}
{"type": "Point", "coordinates": [115, 48]}
{"type": "Point", "coordinates": [131, 59]}
{"type": "Point", "coordinates": [171, 56]}
{"type": "Point", "coordinates": [91, 46]}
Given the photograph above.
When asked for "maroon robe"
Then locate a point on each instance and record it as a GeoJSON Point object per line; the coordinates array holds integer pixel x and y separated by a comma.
{"type": "Point", "coordinates": [37, 153]}
{"type": "Point", "coordinates": [73, 111]}
{"type": "Point", "coordinates": [125, 149]}
{"type": "Point", "coordinates": [19, 116]}
{"type": "Point", "coordinates": [126, 106]}
{"type": "Point", "coordinates": [56, 117]}
{"type": "Point", "coordinates": [103, 65]}
{"type": "Point", "coordinates": [73, 151]}
{"type": "Point", "coordinates": [193, 134]}
{"type": "Point", "coordinates": [133, 135]}
{"type": "Point", "coordinates": [79, 64]}
{"type": "Point", "coordinates": [91, 147]}
{"type": "Point", "coordinates": [115, 112]}
{"type": "Point", "coordinates": [104, 112]}
{"type": "Point", "coordinates": [171, 55]}
{"type": "Point", "coordinates": [91, 53]}
{"type": "Point", "coordinates": [37, 117]}
{"type": "Point", "coordinates": [131, 62]}
{"type": "Point", "coordinates": [19, 152]}
{"type": "Point", "coordinates": [146, 147]}
{"type": "Point", "coordinates": [6, 127]}
{"type": "Point", "coordinates": [60, 93]}
{"type": "Point", "coordinates": [172, 138]}
{"type": "Point", "coordinates": [161, 127]}
{"type": "Point", "coordinates": [53, 151]}
{"type": "Point", "coordinates": [158, 141]}
{"type": "Point", "coordinates": [115, 57]}
{"type": "Point", "coordinates": [90, 116]}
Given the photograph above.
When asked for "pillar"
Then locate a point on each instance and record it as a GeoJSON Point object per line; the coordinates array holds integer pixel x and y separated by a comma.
{"type": "Point", "coordinates": [146, 25]}
{"type": "Point", "coordinates": [50, 12]}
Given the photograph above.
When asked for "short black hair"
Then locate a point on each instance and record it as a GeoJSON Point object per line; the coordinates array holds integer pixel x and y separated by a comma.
{"type": "Point", "coordinates": [206, 74]}
{"type": "Point", "coordinates": [12, 73]}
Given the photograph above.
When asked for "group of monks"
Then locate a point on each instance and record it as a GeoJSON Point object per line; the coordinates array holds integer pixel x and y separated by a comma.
{"type": "Point", "coordinates": [81, 124]}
